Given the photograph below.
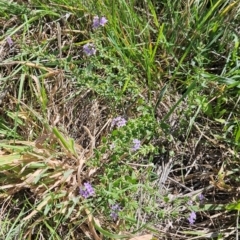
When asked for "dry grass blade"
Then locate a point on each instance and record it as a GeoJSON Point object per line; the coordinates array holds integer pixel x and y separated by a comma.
{"type": "Point", "coordinates": [38, 209]}
{"type": "Point", "coordinates": [91, 225]}
{"type": "Point", "coordinates": [143, 237]}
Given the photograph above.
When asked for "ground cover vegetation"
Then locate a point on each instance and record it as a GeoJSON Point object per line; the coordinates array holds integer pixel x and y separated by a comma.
{"type": "Point", "coordinates": [119, 119]}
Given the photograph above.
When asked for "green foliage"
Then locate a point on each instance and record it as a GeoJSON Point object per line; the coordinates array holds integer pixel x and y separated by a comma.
{"type": "Point", "coordinates": [170, 68]}
{"type": "Point", "coordinates": [233, 206]}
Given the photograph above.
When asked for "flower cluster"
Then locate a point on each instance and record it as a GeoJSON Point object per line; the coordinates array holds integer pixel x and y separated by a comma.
{"type": "Point", "coordinates": [89, 48]}
{"type": "Point", "coordinates": [87, 190]}
{"type": "Point", "coordinates": [99, 21]}
{"type": "Point", "coordinates": [136, 144]}
{"type": "Point", "coordinates": [119, 122]}
{"type": "Point", "coordinates": [114, 211]}
{"type": "Point", "coordinates": [192, 218]}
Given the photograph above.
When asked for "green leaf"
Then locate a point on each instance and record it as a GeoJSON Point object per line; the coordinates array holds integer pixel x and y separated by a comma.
{"type": "Point", "coordinates": [108, 234]}
{"type": "Point", "coordinates": [9, 159]}
{"type": "Point", "coordinates": [68, 145]}
{"type": "Point", "coordinates": [233, 206]}
{"type": "Point", "coordinates": [208, 207]}
{"type": "Point", "coordinates": [68, 173]}
{"type": "Point", "coordinates": [220, 120]}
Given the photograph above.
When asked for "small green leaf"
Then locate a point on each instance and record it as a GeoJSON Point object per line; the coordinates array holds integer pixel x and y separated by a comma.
{"type": "Point", "coordinates": [67, 144]}
{"type": "Point", "coordinates": [220, 120]}
{"type": "Point", "coordinates": [233, 206]}
{"type": "Point", "coordinates": [68, 173]}
{"type": "Point", "coordinates": [108, 234]}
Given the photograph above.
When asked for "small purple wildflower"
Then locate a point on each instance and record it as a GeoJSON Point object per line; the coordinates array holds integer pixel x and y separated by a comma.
{"type": "Point", "coordinates": [114, 211]}
{"type": "Point", "coordinates": [9, 41]}
{"type": "Point", "coordinates": [136, 144]}
{"type": "Point", "coordinates": [116, 207]}
{"type": "Point", "coordinates": [192, 218]}
{"type": "Point", "coordinates": [201, 197]}
{"type": "Point", "coordinates": [97, 22]}
{"type": "Point", "coordinates": [119, 122]}
{"type": "Point", "coordinates": [89, 49]}
{"type": "Point", "coordinates": [87, 190]}
{"type": "Point", "coordinates": [114, 216]}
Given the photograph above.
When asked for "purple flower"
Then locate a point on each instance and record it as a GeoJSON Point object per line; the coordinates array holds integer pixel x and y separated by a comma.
{"type": "Point", "coordinates": [97, 22]}
{"type": "Point", "coordinates": [192, 218]}
{"type": "Point", "coordinates": [119, 121]}
{"type": "Point", "coordinates": [87, 190]}
{"type": "Point", "coordinates": [89, 49]}
{"type": "Point", "coordinates": [114, 216]}
{"type": "Point", "coordinates": [136, 144]}
{"type": "Point", "coordinates": [114, 211]}
{"type": "Point", "coordinates": [116, 207]}
{"type": "Point", "coordinates": [9, 41]}
{"type": "Point", "coordinates": [201, 197]}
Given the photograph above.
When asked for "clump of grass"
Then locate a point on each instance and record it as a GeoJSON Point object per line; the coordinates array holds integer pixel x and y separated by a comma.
{"type": "Point", "coordinates": [119, 118]}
